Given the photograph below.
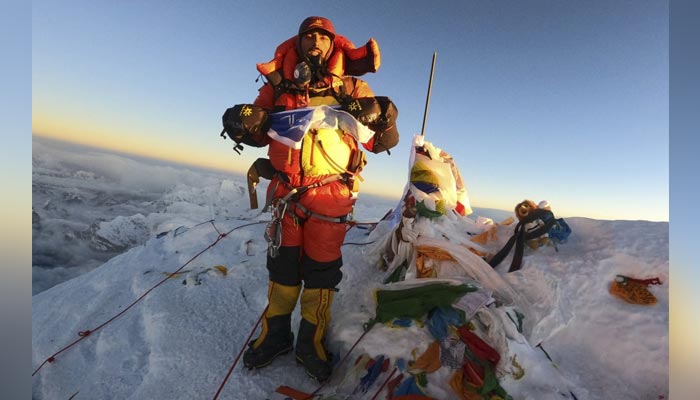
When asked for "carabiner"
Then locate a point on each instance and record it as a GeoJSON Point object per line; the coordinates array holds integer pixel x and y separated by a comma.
{"type": "Point", "coordinates": [273, 231]}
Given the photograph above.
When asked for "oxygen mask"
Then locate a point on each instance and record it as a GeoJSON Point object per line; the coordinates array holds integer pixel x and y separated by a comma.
{"type": "Point", "coordinates": [311, 68]}
{"type": "Point", "coordinates": [302, 74]}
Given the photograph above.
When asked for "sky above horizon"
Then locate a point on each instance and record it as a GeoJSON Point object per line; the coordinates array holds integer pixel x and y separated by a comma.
{"type": "Point", "coordinates": [551, 100]}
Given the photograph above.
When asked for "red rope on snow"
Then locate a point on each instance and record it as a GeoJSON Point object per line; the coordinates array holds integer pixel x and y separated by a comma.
{"type": "Point", "coordinates": [342, 360]}
{"type": "Point", "coordinates": [84, 334]}
{"type": "Point", "coordinates": [384, 384]}
{"type": "Point", "coordinates": [215, 228]}
{"type": "Point", "coordinates": [650, 281]}
{"type": "Point", "coordinates": [357, 243]}
{"type": "Point", "coordinates": [230, 370]}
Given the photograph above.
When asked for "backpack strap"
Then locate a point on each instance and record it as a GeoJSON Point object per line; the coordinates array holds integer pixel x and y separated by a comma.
{"type": "Point", "coordinates": [519, 249]}
{"type": "Point", "coordinates": [344, 92]}
{"type": "Point", "coordinates": [546, 216]}
{"type": "Point", "coordinates": [496, 259]}
{"type": "Point", "coordinates": [520, 236]}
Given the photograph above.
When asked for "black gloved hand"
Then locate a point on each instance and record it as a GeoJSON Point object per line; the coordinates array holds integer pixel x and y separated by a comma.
{"type": "Point", "coordinates": [387, 115]}
{"type": "Point", "coordinates": [378, 114]}
{"type": "Point", "coordinates": [246, 123]}
{"type": "Point", "coordinates": [364, 109]}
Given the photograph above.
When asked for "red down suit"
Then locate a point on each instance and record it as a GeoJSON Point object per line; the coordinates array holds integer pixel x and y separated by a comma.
{"type": "Point", "coordinates": [311, 246]}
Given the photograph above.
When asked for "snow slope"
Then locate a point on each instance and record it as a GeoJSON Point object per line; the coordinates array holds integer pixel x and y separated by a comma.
{"type": "Point", "coordinates": [180, 340]}
{"type": "Point", "coordinates": [89, 205]}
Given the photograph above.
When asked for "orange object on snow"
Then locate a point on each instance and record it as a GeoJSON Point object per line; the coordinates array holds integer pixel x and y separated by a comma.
{"type": "Point", "coordinates": [633, 290]}
{"type": "Point", "coordinates": [484, 236]}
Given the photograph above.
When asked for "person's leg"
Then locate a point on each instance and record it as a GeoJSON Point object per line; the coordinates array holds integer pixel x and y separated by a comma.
{"type": "Point", "coordinates": [320, 267]}
{"type": "Point", "coordinates": [276, 337]}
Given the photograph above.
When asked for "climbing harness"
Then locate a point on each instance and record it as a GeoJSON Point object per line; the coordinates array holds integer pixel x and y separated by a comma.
{"type": "Point", "coordinates": [280, 206]}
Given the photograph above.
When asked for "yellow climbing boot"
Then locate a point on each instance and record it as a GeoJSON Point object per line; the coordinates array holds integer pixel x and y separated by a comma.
{"type": "Point", "coordinates": [316, 316]}
{"type": "Point", "coordinates": [276, 337]}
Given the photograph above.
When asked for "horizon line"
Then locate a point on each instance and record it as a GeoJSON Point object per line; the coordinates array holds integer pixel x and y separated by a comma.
{"type": "Point", "coordinates": [49, 137]}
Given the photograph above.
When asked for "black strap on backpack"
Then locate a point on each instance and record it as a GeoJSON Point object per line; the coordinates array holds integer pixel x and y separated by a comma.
{"type": "Point", "coordinates": [520, 236]}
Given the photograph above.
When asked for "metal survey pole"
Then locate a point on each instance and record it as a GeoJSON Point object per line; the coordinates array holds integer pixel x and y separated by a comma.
{"type": "Point", "coordinates": [427, 100]}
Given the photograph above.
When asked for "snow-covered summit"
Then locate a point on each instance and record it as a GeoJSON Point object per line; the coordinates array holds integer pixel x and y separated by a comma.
{"type": "Point", "coordinates": [181, 339]}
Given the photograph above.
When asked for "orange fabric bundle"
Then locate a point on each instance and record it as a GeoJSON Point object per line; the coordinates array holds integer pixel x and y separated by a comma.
{"type": "Point", "coordinates": [485, 236]}
{"type": "Point", "coordinates": [633, 291]}
{"type": "Point", "coordinates": [429, 361]}
{"type": "Point", "coordinates": [434, 253]}
{"type": "Point", "coordinates": [423, 267]}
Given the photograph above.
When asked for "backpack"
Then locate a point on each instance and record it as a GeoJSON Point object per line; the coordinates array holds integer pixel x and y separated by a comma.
{"type": "Point", "coordinates": [527, 213]}
{"type": "Point", "coordinates": [559, 232]}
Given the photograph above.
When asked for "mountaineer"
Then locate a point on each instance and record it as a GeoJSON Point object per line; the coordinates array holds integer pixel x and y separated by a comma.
{"type": "Point", "coordinates": [314, 179]}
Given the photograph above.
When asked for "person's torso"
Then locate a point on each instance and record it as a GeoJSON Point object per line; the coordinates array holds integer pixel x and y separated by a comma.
{"type": "Point", "coordinates": [323, 152]}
